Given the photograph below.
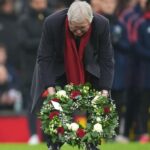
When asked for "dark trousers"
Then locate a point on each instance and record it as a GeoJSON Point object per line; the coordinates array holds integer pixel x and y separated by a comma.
{"type": "Point", "coordinates": [133, 101]}
{"type": "Point", "coordinates": [32, 118]}
{"type": "Point", "coordinates": [58, 144]}
{"type": "Point", "coordinates": [144, 114]}
{"type": "Point", "coordinates": [120, 97]}
{"type": "Point", "coordinates": [50, 143]}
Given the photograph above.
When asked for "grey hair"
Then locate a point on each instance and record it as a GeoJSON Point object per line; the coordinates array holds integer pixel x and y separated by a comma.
{"type": "Point", "coordinates": [79, 11]}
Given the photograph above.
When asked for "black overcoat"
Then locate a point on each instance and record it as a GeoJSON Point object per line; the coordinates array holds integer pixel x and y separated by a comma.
{"type": "Point", "coordinates": [49, 68]}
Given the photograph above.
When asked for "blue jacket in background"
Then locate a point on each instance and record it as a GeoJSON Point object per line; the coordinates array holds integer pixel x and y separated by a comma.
{"type": "Point", "coordinates": [121, 53]}
{"type": "Point", "coordinates": [142, 48]}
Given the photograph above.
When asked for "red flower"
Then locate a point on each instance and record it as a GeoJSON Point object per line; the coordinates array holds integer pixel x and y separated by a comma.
{"type": "Point", "coordinates": [55, 100]}
{"type": "Point", "coordinates": [106, 110]}
{"type": "Point", "coordinates": [60, 130]}
{"type": "Point", "coordinates": [75, 94]}
{"type": "Point", "coordinates": [80, 133]}
{"type": "Point", "coordinates": [53, 114]}
{"type": "Point", "coordinates": [45, 94]}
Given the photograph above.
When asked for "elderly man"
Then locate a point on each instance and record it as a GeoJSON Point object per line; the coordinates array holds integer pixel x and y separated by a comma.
{"type": "Point", "coordinates": [75, 48]}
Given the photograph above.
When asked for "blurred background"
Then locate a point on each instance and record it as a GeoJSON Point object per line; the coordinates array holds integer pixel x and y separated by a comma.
{"type": "Point", "coordinates": [20, 31]}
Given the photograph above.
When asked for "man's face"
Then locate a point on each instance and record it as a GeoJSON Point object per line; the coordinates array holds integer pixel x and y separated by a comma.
{"type": "Point", "coordinates": [108, 6]}
{"type": "Point", "coordinates": [39, 4]}
{"type": "Point", "coordinates": [79, 29]}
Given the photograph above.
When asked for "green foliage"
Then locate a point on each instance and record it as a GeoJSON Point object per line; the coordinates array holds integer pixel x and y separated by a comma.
{"type": "Point", "coordinates": [102, 118]}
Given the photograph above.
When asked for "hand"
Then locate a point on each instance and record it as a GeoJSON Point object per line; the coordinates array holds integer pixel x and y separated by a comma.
{"type": "Point", "coordinates": [105, 93]}
{"type": "Point", "coordinates": [51, 90]}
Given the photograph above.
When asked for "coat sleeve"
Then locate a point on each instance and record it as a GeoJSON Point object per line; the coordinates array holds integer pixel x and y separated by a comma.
{"type": "Point", "coordinates": [106, 59]}
{"type": "Point", "coordinates": [45, 57]}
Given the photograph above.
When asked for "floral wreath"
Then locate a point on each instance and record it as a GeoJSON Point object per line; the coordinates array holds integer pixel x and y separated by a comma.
{"type": "Point", "coordinates": [61, 122]}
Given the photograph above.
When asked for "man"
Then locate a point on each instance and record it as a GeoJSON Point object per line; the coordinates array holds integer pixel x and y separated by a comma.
{"type": "Point", "coordinates": [29, 37]}
{"type": "Point", "coordinates": [75, 47]}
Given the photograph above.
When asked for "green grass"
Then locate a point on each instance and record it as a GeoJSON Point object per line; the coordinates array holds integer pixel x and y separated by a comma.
{"type": "Point", "coordinates": [113, 146]}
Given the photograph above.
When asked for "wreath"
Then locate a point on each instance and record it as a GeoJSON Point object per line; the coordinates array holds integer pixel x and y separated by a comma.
{"type": "Point", "coordinates": [77, 115]}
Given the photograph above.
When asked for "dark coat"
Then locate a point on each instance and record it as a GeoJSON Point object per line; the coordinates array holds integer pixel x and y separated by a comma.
{"type": "Point", "coordinates": [9, 37]}
{"type": "Point", "coordinates": [49, 69]}
{"type": "Point", "coordinates": [122, 52]}
{"type": "Point", "coordinates": [29, 37]}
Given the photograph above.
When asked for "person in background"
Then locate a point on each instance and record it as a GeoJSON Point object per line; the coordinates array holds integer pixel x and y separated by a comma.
{"type": "Point", "coordinates": [69, 2]}
{"type": "Point", "coordinates": [126, 10]}
{"type": "Point", "coordinates": [59, 5]}
{"type": "Point", "coordinates": [142, 48]}
{"type": "Point", "coordinates": [96, 5]}
{"type": "Point", "coordinates": [132, 22]}
{"type": "Point", "coordinates": [29, 37]}
{"type": "Point", "coordinates": [10, 96]}
{"type": "Point", "coordinates": [122, 52]}
{"type": "Point", "coordinates": [136, 14]}
{"type": "Point", "coordinates": [9, 30]}
{"type": "Point", "coordinates": [122, 6]}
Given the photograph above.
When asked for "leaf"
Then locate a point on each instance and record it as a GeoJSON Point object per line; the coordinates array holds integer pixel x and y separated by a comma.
{"type": "Point", "coordinates": [54, 139]}
{"type": "Point", "coordinates": [58, 88]}
{"type": "Point", "coordinates": [94, 134]}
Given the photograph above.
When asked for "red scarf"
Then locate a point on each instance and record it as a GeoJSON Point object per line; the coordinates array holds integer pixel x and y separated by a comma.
{"type": "Point", "coordinates": [74, 57]}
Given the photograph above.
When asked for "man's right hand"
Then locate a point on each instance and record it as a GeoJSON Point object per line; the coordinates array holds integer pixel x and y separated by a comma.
{"type": "Point", "coordinates": [51, 90]}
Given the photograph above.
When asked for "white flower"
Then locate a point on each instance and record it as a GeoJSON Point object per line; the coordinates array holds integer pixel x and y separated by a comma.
{"type": "Point", "coordinates": [98, 128]}
{"type": "Point", "coordinates": [68, 126]}
{"type": "Point", "coordinates": [61, 93]}
{"type": "Point", "coordinates": [98, 119]}
{"type": "Point", "coordinates": [69, 87]}
{"type": "Point", "coordinates": [74, 126]}
{"type": "Point", "coordinates": [95, 99]}
{"type": "Point", "coordinates": [100, 93]}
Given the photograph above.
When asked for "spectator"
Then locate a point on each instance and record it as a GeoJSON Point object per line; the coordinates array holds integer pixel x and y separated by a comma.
{"type": "Point", "coordinates": [121, 54]}
{"type": "Point", "coordinates": [127, 10]}
{"type": "Point", "coordinates": [9, 85]}
{"type": "Point", "coordinates": [69, 2]}
{"type": "Point", "coordinates": [142, 47]}
{"type": "Point", "coordinates": [8, 31]}
{"type": "Point", "coordinates": [29, 35]}
{"type": "Point", "coordinates": [96, 5]}
{"type": "Point", "coordinates": [133, 20]}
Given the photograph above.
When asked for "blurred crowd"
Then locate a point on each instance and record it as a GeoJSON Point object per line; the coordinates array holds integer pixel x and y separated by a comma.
{"type": "Point", "coordinates": [20, 31]}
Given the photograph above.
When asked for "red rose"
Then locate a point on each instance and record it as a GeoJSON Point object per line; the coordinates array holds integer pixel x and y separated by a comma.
{"type": "Point", "coordinates": [53, 114]}
{"type": "Point", "coordinates": [75, 94]}
{"type": "Point", "coordinates": [45, 94]}
{"type": "Point", "coordinates": [60, 130]}
{"type": "Point", "coordinates": [55, 100]}
{"type": "Point", "coordinates": [106, 110]}
{"type": "Point", "coordinates": [80, 133]}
